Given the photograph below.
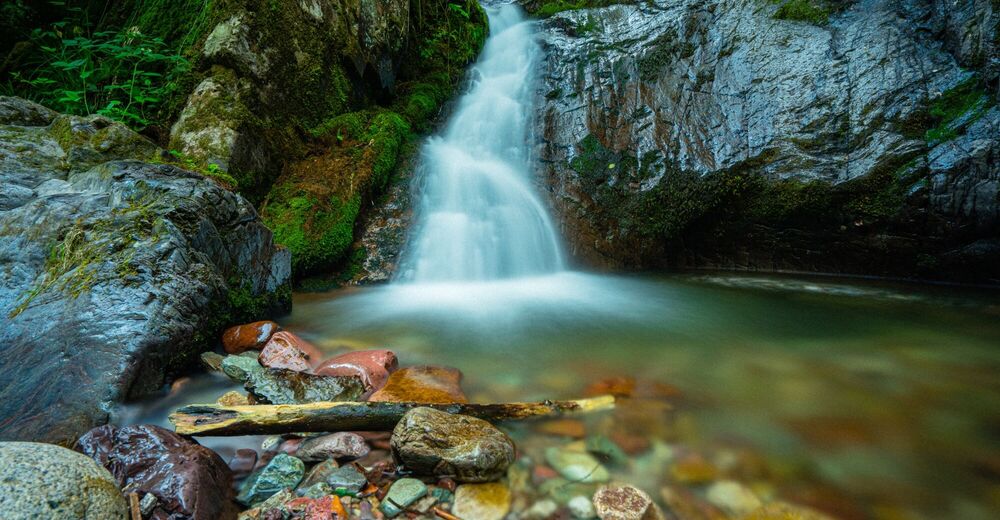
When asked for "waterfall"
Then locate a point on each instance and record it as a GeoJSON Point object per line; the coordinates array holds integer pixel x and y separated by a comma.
{"type": "Point", "coordinates": [479, 217]}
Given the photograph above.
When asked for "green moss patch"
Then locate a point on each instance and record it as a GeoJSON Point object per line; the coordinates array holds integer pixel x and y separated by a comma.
{"type": "Point", "coordinates": [816, 12]}
{"type": "Point", "coordinates": [955, 109]}
{"type": "Point", "coordinates": [547, 8]}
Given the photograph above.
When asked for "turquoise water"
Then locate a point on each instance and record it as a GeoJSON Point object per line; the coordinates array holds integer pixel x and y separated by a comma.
{"type": "Point", "coordinates": [864, 400]}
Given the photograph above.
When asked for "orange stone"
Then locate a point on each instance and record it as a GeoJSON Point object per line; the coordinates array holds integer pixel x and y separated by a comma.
{"type": "Point", "coordinates": [422, 384]}
{"type": "Point", "coordinates": [250, 336]}
{"type": "Point", "coordinates": [563, 427]}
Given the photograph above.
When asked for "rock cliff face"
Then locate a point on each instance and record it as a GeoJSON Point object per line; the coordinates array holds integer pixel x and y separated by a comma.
{"type": "Point", "coordinates": [114, 270]}
{"type": "Point", "coordinates": [714, 134]}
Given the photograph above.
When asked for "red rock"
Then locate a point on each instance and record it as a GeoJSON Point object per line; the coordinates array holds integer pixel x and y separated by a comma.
{"type": "Point", "coordinates": [243, 462]}
{"type": "Point", "coordinates": [189, 480]}
{"type": "Point", "coordinates": [541, 473]}
{"type": "Point", "coordinates": [373, 366]}
{"type": "Point", "coordinates": [282, 354]}
{"type": "Point", "coordinates": [291, 446]}
{"type": "Point", "coordinates": [251, 336]}
{"type": "Point", "coordinates": [629, 387]}
{"type": "Point", "coordinates": [630, 443]}
{"type": "Point", "coordinates": [423, 384]}
{"type": "Point", "coordinates": [285, 338]}
{"type": "Point", "coordinates": [340, 445]}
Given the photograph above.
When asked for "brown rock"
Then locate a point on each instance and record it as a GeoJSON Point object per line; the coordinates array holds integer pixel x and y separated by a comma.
{"type": "Point", "coordinates": [431, 442]}
{"type": "Point", "coordinates": [251, 336]}
{"type": "Point", "coordinates": [340, 445]}
{"type": "Point", "coordinates": [188, 479]}
{"type": "Point", "coordinates": [280, 354]}
{"type": "Point", "coordinates": [313, 354]}
{"type": "Point", "coordinates": [373, 366]}
{"type": "Point", "coordinates": [693, 469]}
{"type": "Point", "coordinates": [625, 503]}
{"type": "Point", "coordinates": [489, 501]}
{"type": "Point", "coordinates": [682, 503]}
{"type": "Point", "coordinates": [423, 384]}
{"type": "Point", "coordinates": [243, 462]}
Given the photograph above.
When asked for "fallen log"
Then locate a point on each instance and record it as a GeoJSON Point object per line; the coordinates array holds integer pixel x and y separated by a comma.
{"type": "Point", "coordinates": [213, 419]}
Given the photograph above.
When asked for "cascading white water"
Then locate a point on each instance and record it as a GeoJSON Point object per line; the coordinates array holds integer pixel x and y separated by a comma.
{"type": "Point", "coordinates": [480, 218]}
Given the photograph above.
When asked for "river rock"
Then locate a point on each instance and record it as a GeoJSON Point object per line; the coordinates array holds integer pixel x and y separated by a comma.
{"type": "Point", "coordinates": [232, 398]}
{"type": "Point", "coordinates": [346, 479]}
{"type": "Point", "coordinates": [489, 501]}
{"type": "Point", "coordinates": [423, 384]}
{"type": "Point", "coordinates": [49, 481]}
{"type": "Point", "coordinates": [187, 478]}
{"type": "Point", "coordinates": [340, 445]}
{"type": "Point", "coordinates": [279, 386]}
{"type": "Point", "coordinates": [402, 493]}
{"type": "Point", "coordinates": [243, 462]}
{"type": "Point", "coordinates": [283, 472]}
{"type": "Point", "coordinates": [581, 507]}
{"type": "Point", "coordinates": [250, 336]}
{"type": "Point", "coordinates": [373, 366]}
{"type": "Point", "coordinates": [277, 354]}
{"type": "Point", "coordinates": [320, 472]}
{"type": "Point", "coordinates": [733, 498]}
{"type": "Point", "coordinates": [465, 448]}
{"type": "Point", "coordinates": [574, 465]}
{"type": "Point", "coordinates": [116, 270]}
{"type": "Point", "coordinates": [288, 340]}
{"type": "Point", "coordinates": [625, 503]}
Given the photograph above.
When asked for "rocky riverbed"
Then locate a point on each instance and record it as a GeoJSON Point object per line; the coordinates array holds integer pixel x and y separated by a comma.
{"type": "Point", "coordinates": [613, 465]}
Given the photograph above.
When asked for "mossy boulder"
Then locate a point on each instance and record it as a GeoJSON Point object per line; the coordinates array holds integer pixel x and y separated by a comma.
{"type": "Point", "coordinates": [120, 270]}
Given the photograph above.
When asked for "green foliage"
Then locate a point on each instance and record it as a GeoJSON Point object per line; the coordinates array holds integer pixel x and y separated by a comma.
{"type": "Point", "coordinates": [317, 233]}
{"type": "Point", "coordinates": [968, 98]}
{"type": "Point", "coordinates": [123, 75]}
{"type": "Point", "coordinates": [816, 12]}
{"type": "Point", "coordinates": [210, 170]}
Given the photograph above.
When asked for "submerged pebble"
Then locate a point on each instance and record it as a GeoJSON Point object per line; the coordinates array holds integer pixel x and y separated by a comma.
{"type": "Point", "coordinates": [402, 493]}
{"type": "Point", "coordinates": [578, 466]}
{"type": "Point", "coordinates": [489, 501]}
{"type": "Point", "coordinates": [282, 472]}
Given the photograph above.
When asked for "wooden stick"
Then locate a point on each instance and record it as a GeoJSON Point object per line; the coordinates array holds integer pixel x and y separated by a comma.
{"type": "Point", "coordinates": [213, 419]}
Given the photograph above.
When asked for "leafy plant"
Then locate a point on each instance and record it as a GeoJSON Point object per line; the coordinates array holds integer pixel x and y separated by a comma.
{"type": "Point", "coordinates": [124, 75]}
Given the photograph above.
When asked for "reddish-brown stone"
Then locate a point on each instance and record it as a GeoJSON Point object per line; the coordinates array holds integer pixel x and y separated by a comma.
{"type": "Point", "coordinates": [373, 366]}
{"type": "Point", "coordinates": [190, 480]}
{"type": "Point", "coordinates": [250, 336]}
{"type": "Point", "coordinates": [279, 354]}
{"type": "Point", "coordinates": [423, 384]}
{"type": "Point", "coordinates": [287, 339]}
{"type": "Point", "coordinates": [243, 462]}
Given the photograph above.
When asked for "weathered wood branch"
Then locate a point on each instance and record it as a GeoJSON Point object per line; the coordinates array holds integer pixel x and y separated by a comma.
{"type": "Point", "coordinates": [212, 419]}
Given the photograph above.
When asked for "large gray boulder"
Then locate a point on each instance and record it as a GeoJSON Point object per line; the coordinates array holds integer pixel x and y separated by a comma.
{"type": "Point", "coordinates": [47, 481]}
{"type": "Point", "coordinates": [713, 134]}
{"type": "Point", "coordinates": [114, 271]}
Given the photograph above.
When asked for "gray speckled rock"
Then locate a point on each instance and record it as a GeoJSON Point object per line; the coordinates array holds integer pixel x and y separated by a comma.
{"type": "Point", "coordinates": [465, 448]}
{"type": "Point", "coordinates": [49, 481]}
{"type": "Point", "coordinates": [280, 386]}
{"type": "Point", "coordinates": [113, 270]}
{"type": "Point", "coordinates": [645, 106]}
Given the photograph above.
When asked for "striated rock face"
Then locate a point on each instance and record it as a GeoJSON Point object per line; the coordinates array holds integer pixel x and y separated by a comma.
{"type": "Point", "coordinates": [711, 134]}
{"type": "Point", "coordinates": [115, 271]}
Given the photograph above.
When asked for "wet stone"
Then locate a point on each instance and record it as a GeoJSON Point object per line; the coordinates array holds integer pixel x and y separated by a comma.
{"type": "Point", "coordinates": [346, 480]}
{"type": "Point", "coordinates": [625, 503]}
{"type": "Point", "coordinates": [285, 340]}
{"type": "Point", "coordinates": [489, 501]}
{"type": "Point", "coordinates": [282, 472]}
{"type": "Point", "coordinates": [541, 510]}
{"type": "Point", "coordinates": [317, 490]}
{"type": "Point", "coordinates": [581, 507]}
{"type": "Point", "coordinates": [562, 490]}
{"type": "Point", "coordinates": [465, 448]}
{"type": "Point", "coordinates": [423, 384]}
{"type": "Point", "coordinates": [251, 336]}
{"type": "Point", "coordinates": [233, 398]}
{"type": "Point", "coordinates": [577, 466]}
{"type": "Point", "coordinates": [340, 445]}
{"type": "Point", "coordinates": [785, 511]}
{"type": "Point", "coordinates": [402, 493]}
{"type": "Point", "coordinates": [372, 366]}
{"type": "Point", "coordinates": [279, 386]}
{"type": "Point", "coordinates": [606, 449]}
{"type": "Point", "coordinates": [243, 462]}
{"type": "Point", "coordinates": [278, 354]}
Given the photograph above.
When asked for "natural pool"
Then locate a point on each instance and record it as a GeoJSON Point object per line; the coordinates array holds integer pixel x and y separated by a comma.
{"type": "Point", "coordinates": [860, 399]}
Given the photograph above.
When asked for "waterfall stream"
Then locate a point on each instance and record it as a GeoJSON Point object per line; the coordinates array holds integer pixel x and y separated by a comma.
{"type": "Point", "coordinates": [479, 216]}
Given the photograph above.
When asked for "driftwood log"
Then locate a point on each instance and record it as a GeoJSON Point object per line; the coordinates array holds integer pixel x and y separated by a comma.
{"type": "Point", "coordinates": [212, 419]}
